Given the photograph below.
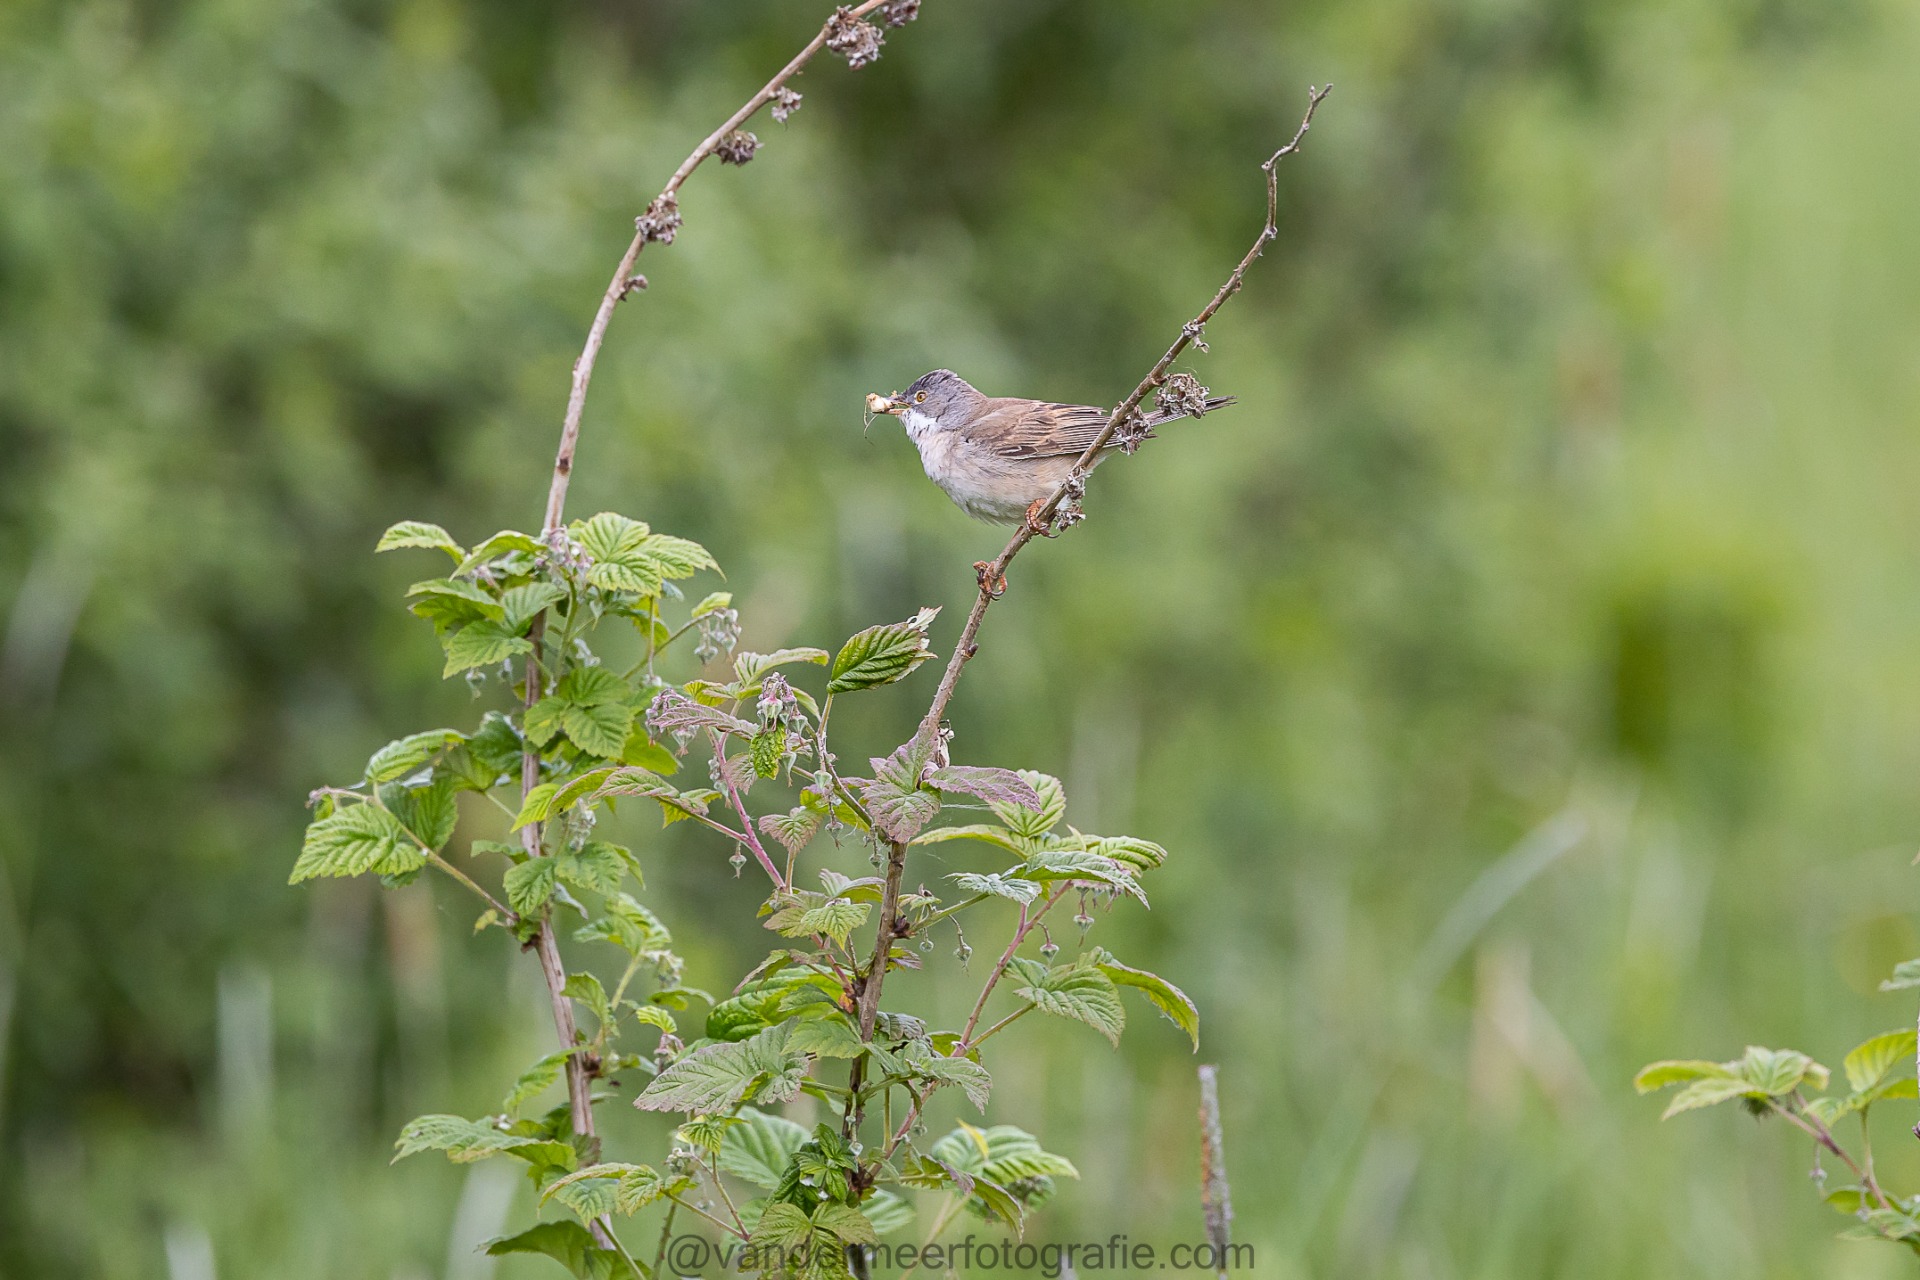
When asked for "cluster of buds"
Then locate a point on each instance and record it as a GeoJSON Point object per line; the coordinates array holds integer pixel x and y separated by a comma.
{"type": "Point", "coordinates": [1069, 512]}
{"type": "Point", "coordinates": [564, 553]}
{"type": "Point", "coordinates": [580, 821]}
{"type": "Point", "coordinates": [717, 631]}
{"type": "Point", "coordinates": [777, 706]}
{"type": "Point", "coordinates": [785, 102]}
{"type": "Point", "coordinates": [737, 147]}
{"type": "Point", "coordinates": [899, 13]}
{"type": "Point", "coordinates": [856, 41]}
{"type": "Point", "coordinates": [1182, 394]}
{"type": "Point", "coordinates": [661, 220]}
{"type": "Point", "coordinates": [1132, 432]}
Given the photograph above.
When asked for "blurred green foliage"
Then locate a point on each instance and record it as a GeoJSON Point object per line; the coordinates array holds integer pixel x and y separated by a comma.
{"type": "Point", "coordinates": [1521, 674]}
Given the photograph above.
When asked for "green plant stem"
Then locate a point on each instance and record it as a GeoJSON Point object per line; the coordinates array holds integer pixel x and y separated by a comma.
{"type": "Point", "coordinates": [906, 1125]}
{"type": "Point", "coordinates": [666, 1234]}
{"type": "Point", "coordinates": [1812, 1127]}
{"type": "Point", "coordinates": [944, 912]}
{"type": "Point", "coordinates": [507, 913]}
{"type": "Point", "coordinates": [625, 1257]}
{"type": "Point", "coordinates": [713, 1171]}
{"type": "Point", "coordinates": [740, 1231]}
{"type": "Point", "coordinates": [1007, 1021]}
{"type": "Point", "coordinates": [1028, 919]}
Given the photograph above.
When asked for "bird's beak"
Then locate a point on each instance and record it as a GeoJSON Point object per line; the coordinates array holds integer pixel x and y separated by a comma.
{"type": "Point", "coordinates": [877, 403]}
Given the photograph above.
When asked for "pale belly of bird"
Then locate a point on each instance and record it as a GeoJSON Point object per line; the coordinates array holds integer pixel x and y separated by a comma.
{"type": "Point", "coordinates": [987, 485]}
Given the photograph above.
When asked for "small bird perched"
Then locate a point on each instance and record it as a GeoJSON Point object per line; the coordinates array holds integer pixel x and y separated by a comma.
{"type": "Point", "coordinates": [1001, 458]}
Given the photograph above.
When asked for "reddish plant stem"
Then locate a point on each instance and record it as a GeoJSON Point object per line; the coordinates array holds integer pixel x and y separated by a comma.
{"type": "Point", "coordinates": [746, 823]}
{"type": "Point", "coordinates": [1025, 927]}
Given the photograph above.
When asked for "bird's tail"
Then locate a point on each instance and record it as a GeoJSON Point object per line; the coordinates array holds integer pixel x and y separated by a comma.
{"type": "Point", "coordinates": [1164, 417]}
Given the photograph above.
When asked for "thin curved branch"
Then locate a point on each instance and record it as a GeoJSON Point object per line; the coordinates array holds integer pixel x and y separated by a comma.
{"type": "Point", "coordinates": [995, 572]}
{"type": "Point", "coordinates": [623, 282]}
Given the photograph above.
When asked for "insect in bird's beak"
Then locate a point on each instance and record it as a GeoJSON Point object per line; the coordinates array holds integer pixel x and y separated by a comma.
{"type": "Point", "coordinates": [878, 404]}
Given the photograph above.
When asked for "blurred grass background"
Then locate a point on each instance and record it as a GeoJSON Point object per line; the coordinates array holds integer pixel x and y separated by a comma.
{"type": "Point", "coordinates": [1522, 674]}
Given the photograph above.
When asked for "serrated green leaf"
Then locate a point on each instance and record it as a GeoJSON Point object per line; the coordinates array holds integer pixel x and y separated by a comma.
{"type": "Point", "coordinates": [1707, 1093]}
{"type": "Point", "coordinates": [675, 557]}
{"type": "Point", "coordinates": [846, 1222]}
{"type": "Point", "coordinates": [529, 885]}
{"type": "Point", "coordinates": [495, 745]}
{"type": "Point", "coordinates": [535, 1079]}
{"type": "Point", "coordinates": [481, 644]}
{"type": "Point", "coordinates": [794, 830]}
{"type": "Point", "coordinates": [1004, 1153]}
{"type": "Point", "coordinates": [1166, 997]}
{"type": "Point", "coordinates": [1028, 821]}
{"type": "Point", "coordinates": [613, 542]}
{"type": "Point", "coordinates": [524, 603]}
{"type": "Point", "coordinates": [1869, 1063]}
{"type": "Point", "coordinates": [500, 544]}
{"type": "Point", "coordinates": [766, 750]}
{"type": "Point", "coordinates": [1141, 855]}
{"type": "Point", "coordinates": [592, 687]}
{"type": "Point", "coordinates": [586, 988]}
{"type": "Point", "coordinates": [830, 1037]}
{"type": "Point", "coordinates": [652, 1015]}
{"type": "Point", "coordinates": [783, 1227]}
{"type": "Point", "coordinates": [542, 720]}
{"type": "Point", "coordinates": [837, 920]}
{"type": "Point", "coordinates": [991, 835]}
{"type": "Point", "coordinates": [882, 655]}
{"type": "Point", "coordinates": [353, 841]}
{"type": "Point", "coordinates": [589, 1198]}
{"type": "Point", "coordinates": [403, 755]}
{"type": "Point", "coordinates": [628, 925]}
{"type": "Point", "coordinates": [972, 1078]}
{"type": "Point", "coordinates": [719, 1077]}
{"type": "Point", "coordinates": [598, 730]}
{"type": "Point", "coordinates": [1774, 1072]}
{"type": "Point", "coordinates": [1021, 891]}
{"type": "Point", "coordinates": [571, 1245]}
{"type": "Point", "coordinates": [465, 1141]}
{"type": "Point", "coordinates": [760, 1150]}
{"type": "Point", "coordinates": [1659, 1075]}
{"type": "Point", "coordinates": [536, 805]}
{"type": "Point", "coordinates": [418, 533]}
{"type": "Point", "coordinates": [1085, 995]}
{"type": "Point", "coordinates": [713, 603]}
{"type": "Point", "coordinates": [596, 866]}
{"type": "Point", "coordinates": [749, 667]}
{"type": "Point", "coordinates": [427, 813]}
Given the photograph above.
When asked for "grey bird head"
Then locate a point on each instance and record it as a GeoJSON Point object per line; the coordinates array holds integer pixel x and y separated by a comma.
{"type": "Point", "coordinates": [942, 396]}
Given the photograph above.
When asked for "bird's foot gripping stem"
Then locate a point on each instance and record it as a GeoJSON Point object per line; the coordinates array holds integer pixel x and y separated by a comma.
{"type": "Point", "coordinates": [994, 584]}
{"type": "Point", "coordinates": [1036, 525]}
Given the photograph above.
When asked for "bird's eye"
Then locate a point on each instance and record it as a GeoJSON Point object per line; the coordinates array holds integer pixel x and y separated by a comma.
{"type": "Point", "coordinates": [919, 397]}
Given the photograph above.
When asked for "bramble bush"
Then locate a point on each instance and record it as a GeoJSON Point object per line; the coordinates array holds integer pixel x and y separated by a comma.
{"type": "Point", "coordinates": [1792, 1086]}
{"type": "Point", "coordinates": [575, 636]}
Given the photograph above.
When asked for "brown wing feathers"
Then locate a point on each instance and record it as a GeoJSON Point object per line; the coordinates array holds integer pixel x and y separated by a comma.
{"type": "Point", "coordinates": [1017, 428]}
